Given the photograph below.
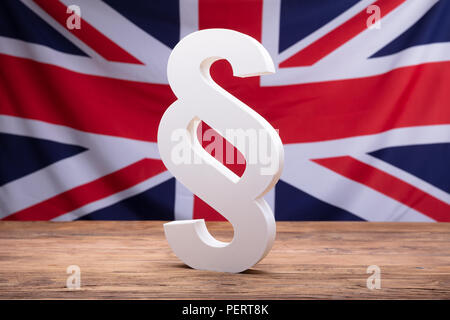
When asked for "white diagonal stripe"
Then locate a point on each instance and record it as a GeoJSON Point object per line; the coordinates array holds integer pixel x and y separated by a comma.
{"type": "Point", "coordinates": [80, 64]}
{"type": "Point", "coordinates": [404, 175]}
{"type": "Point", "coordinates": [351, 60]}
{"type": "Point", "coordinates": [116, 197]}
{"type": "Point", "coordinates": [322, 31]}
{"type": "Point", "coordinates": [106, 154]}
{"type": "Point", "coordinates": [147, 49]}
{"type": "Point", "coordinates": [66, 33]}
{"type": "Point", "coordinates": [352, 196]}
{"type": "Point", "coordinates": [344, 193]}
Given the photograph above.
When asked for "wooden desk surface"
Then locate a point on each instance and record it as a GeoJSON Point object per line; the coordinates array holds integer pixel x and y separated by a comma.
{"type": "Point", "coordinates": [309, 260]}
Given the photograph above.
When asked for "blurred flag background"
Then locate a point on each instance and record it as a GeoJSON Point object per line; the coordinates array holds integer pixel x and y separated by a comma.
{"type": "Point", "coordinates": [362, 106]}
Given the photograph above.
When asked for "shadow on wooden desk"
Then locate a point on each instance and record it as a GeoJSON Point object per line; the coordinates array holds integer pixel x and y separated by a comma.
{"type": "Point", "coordinates": [310, 260]}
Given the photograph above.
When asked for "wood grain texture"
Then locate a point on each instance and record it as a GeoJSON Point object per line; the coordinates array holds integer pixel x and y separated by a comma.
{"type": "Point", "coordinates": [122, 260]}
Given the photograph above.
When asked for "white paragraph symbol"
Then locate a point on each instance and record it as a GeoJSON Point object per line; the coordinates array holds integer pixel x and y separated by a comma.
{"type": "Point", "coordinates": [238, 199]}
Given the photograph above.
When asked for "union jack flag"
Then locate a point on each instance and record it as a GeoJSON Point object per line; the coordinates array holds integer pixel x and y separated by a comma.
{"type": "Point", "coordinates": [364, 113]}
